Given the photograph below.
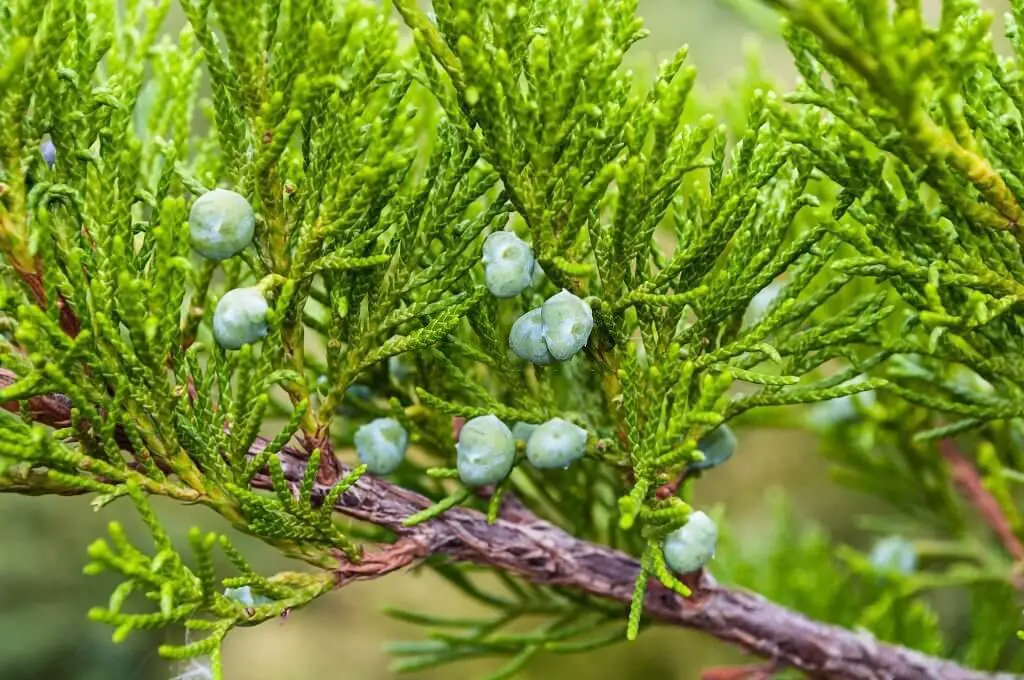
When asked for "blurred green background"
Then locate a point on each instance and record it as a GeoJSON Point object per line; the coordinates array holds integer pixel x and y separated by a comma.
{"type": "Point", "coordinates": [44, 598]}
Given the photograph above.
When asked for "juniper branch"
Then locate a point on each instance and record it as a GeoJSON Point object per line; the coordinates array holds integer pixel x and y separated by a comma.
{"type": "Point", "coordinates": [521, 544]}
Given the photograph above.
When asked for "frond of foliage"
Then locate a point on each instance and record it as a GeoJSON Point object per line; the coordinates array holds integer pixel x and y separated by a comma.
{"type": "Point", "coordinates": [854, 244]}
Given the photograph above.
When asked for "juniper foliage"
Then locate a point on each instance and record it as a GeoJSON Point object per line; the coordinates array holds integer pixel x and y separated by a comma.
{"type": "Point", "coordinates": [858, 236]}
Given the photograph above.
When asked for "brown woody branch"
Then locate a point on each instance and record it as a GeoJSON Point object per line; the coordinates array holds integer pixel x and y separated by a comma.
{"type": "Point", "coordinates": [522, 544]}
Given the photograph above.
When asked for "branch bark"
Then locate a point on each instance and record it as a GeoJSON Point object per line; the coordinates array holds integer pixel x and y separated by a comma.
{"type": "Point", "coordinates": [522, 544]}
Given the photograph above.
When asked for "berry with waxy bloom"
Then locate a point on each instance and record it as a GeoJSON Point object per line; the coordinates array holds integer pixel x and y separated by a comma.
{"type": "Point", "coordinates": [717, 447]}
{"type": "Point", "coordinates": [894, 553]}
{"type": "Point", "coordinates": [556, 444]}
{"type": "Point", "coordinates": [221, 224]}
{"type": "Point", "coordinates": [691, 546]}
{"type": "Point", "coordinates": [485, 452]}
{"type": "Point", "coordinates": [508, 264]}
{"type": "Point", "coordinates": [537, 276]}
{"type": "Point", "coordinates": [48, 151]}
{"type": "Point", "coordinates": [245, 597]}
{"type": "Point", "coordinates": [527, 338]}
{"type": "Point", "coordinates": [522, 431]}
{"type": "Point", "coordinates": [568, 321]}
{"type": "Point", "coordinates": [399, 367]}
{"type": "Point", "coordinates": [381, 445]}
{"type": "Point", "coordinates": [240, 318]}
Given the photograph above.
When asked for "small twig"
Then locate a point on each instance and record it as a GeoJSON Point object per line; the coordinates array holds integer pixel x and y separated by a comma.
{"type": "Point", "coordinates": [402, 553]}
{"type": "Point", "coordinates": [670, 489]}
{"type": "Point", "coordinates": [512, 509]}
{"type": "Point", "coordinates": [967, 478]}
{"type": "Point", "coordinates": [761, 671]}
{"type": "Point", "coordinates": [457, 423]}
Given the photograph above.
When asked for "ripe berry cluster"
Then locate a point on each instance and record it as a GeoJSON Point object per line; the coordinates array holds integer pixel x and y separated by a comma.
{"type": "Point", "coordinates": [555, 331]}
{"type": "Point", "coordinates": [486, 449]}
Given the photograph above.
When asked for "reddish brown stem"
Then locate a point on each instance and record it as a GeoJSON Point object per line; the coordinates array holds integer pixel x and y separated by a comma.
{"type": "Point", "coordinates": [402, 553]}
{"type": "Point", "coordinates": [967, 478]}
{"type": "Point", "coordinates": [670, 489]}
{"type": "Point", "coordinates": [751, 672]}
{"type": "Point", "coordinates": [69, 322]}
